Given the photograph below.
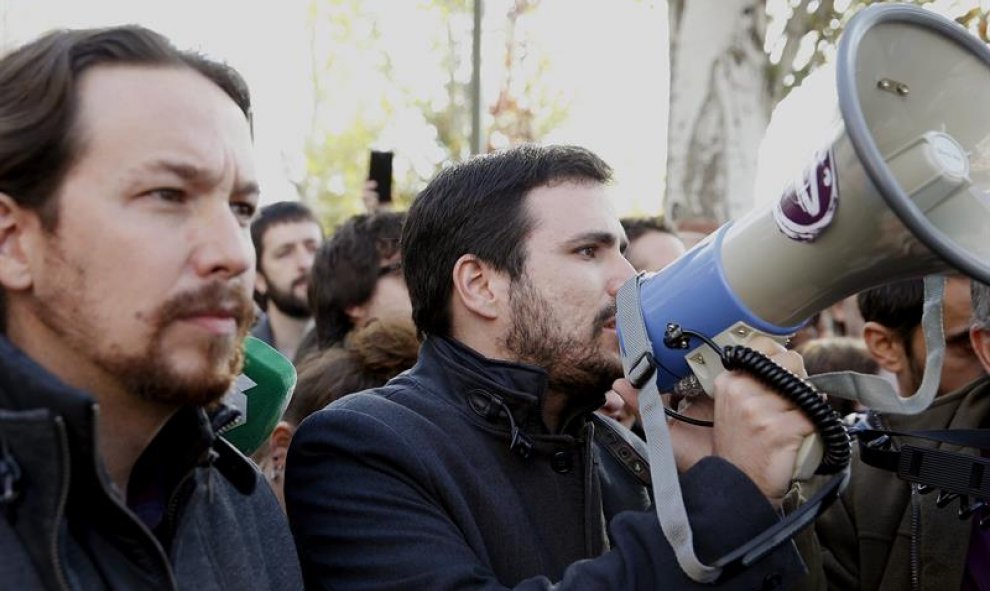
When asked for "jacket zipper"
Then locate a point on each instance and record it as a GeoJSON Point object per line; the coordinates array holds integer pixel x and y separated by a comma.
{"type": "Point", "coordinates": [115, 499]}
{"type": "Point", "coordinates": [914, 551]}
{"type": "Point", "coordinates": [63, 497]}
{"type": "Point", "coordinates": [915, 537]}
{"type": "Point", "coordinates": [173, 502]}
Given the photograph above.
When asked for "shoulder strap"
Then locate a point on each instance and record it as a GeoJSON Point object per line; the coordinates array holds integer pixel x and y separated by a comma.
{"type": "Point", "coordinates": [616, 444]}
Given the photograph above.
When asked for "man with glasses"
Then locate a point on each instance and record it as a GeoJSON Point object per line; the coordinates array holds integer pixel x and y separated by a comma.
{"type": "Point", "coordinates": [886, 534]}
{"type": "Point", "coordinates": [357, 278]}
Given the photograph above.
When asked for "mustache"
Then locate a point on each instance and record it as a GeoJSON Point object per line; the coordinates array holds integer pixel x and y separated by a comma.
{"type": "Point", "coordinates": [301, 280]}
{"type": "Point", "coordinates": [605, 315]}
{"type": "Point", "coordinates": [213, 298]}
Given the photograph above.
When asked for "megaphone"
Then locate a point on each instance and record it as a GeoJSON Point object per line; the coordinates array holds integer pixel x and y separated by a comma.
{"type": "Point", "coordinates": [261, 393]}
{"type": "Point", "coordinates": [901, 191]}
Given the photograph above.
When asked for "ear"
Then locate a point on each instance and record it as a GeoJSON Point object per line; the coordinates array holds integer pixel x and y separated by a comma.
{"type": "Point", "coordinates": [980, 339]}
{"type": "Point", "coordinates": [15, 244]}
{"type": "Point", "coordinates": [278, 443]}
{"type": "Point", "coordinates": [885, 347]}
{"type": "Point", "coordinates": [480, 288]}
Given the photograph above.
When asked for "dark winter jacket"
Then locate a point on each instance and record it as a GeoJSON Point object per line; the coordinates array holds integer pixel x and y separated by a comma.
{"type": "Point", "coordinates": [446, 478]}
{"type": "Point", "coordinates": [63, 526]}
{"type": "Point", "coordinates": [883, 535]}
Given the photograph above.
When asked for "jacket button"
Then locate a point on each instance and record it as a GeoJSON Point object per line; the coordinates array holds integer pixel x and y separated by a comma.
{"type": "Point", "coordinates": [772, 581]}
{"type": "Point", "coordinates": [561, 462]}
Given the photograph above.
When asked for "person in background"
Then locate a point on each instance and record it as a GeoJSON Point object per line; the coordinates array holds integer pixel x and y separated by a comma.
{"type": "Point", "coordinates": [829, 354]}
{"type": "Point", "coordinates": [484, 466]}
{"type": "Point", "coordinates": [653, 245]}
{"type": "Point", "coordinates": [127, 185]}
{"type": "Point", "coordinates": [285, 236]}
{"type": "Point", "coordinates": [372, 355]}
{"type": "Point", "coordinates": [894, 337]}
{"type": "Point", "coordinates": [884, 533]}
{"type": "Point", "coordinates": [358, 273]}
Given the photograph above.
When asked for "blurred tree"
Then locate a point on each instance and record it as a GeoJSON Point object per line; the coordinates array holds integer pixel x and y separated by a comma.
{"type": "Point", "coordinates": [732, 61]}
{"type": "Point", "coordinates": [375, 83]}
{"type": "Point", "coordinates": [525, 109]}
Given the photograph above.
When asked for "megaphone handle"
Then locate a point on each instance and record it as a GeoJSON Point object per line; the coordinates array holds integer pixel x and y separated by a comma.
{"type": "Point", "coordinates": [809, 457]}
{"type": "Point", "coordinates": [835, 439]}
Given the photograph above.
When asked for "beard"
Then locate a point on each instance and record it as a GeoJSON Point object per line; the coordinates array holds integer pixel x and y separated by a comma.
{"type": "Point", "coordinates": [150, 377]}
{"type": "Point", "coordinates": [576, 365]}
{"type": "Point", "coordinates": [149, 374]}
{"type": "Point", "coordinates": [288, 302]}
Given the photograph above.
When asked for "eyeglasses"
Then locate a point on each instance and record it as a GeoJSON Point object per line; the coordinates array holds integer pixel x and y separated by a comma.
{"type": "Point", "coordinates": [390, 268]}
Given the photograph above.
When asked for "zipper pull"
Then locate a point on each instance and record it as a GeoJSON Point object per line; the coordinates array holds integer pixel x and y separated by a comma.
{"type": "Point", "coordinates": [10, 474]}
{"type": "Point", "coordinates": [211, 456]}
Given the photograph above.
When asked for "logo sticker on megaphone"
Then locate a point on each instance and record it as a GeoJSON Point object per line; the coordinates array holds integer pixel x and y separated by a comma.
{"type": "Point", "coordinates": [808, 206]}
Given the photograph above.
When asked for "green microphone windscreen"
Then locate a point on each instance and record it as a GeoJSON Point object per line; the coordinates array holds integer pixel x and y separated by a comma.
{"type": "Point", "coordinates": [261, 393]}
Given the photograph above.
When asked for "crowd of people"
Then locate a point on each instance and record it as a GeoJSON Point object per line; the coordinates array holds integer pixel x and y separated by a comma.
{"type": "Point", "coordinates": [460, 419]}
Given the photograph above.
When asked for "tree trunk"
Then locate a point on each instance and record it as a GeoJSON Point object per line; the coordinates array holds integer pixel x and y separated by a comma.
{"type": "Point", "coordinates": [719, 107]}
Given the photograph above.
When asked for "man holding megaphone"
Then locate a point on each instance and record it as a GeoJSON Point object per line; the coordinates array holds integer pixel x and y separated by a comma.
{"type": "Point", "coordinates": [901, 192]}
{"type": "Point", "coordinates": [484, 466]}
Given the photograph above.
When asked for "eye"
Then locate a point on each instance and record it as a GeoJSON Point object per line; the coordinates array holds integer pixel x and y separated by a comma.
{"type": "Point", "coordinates": [587, 252]}
{"type": "Point", "coordinates": [244, 211]}
{"type": "Point", "coordinates": [169, 195]}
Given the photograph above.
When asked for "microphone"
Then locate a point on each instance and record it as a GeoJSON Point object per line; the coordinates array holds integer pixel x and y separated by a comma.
{"type": "Point", "coordinates": [261, 393]}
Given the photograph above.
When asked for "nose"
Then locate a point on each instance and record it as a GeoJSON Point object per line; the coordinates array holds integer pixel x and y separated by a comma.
{"type": "Point", "coordinates": [622, 272]}
{"type": "Point", "coordinates": [305, 258]}
{"type": "Point", "coordinates": [222, 246]}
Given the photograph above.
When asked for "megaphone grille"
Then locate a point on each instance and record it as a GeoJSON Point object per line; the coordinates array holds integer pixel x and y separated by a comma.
{"type": "Point", "coordinates": [910, 86]}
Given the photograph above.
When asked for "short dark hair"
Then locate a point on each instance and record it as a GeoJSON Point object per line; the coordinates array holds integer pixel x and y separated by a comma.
{"type": "Point", "coordinates": [477, 207]}
{"type": "Point", "coordinates": [282, 212]}
{"type": "Point", "coordinates": [980, 292]}
{"type": "Point", "coordinates": [346, 270]}
{"type": "Point", "coordinates": [636, 227]}
{"type": "Point", "coordinates": [897, 306]}
{"type": "Point", "coordinates": [39, 104]}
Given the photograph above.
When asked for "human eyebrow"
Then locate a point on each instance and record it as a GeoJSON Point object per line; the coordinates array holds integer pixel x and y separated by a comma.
{"type": "Point", "coordinates": [604, 239]}
{"type": "Point", "coordinates": [246, 190]}
{"type": "Point", "coordinates": [190, 173]}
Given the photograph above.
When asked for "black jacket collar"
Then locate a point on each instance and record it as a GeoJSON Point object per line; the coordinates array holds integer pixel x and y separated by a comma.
{"type": "Point", "coordinates": [27, 386]}
{"type": "Point", "coordinates": [521, 387]}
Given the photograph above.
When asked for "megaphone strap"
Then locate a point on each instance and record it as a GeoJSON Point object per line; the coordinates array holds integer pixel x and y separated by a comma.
{"type": "Point", "coordinates": [955, 474]}
{"type": "Point", "coordinates": [636, 346]}
{"type": "Point", "coordinates": [879, 394]}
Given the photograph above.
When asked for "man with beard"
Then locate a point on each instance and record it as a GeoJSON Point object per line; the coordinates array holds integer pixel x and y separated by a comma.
{"type": "Point", "coordinates": [285, 236]}
{"type": "Point", "coordinates": [482, 466]}
{"type": "Point", "coordinates": [894, 338]}
{"type": "Point", "coordinates": [885, 532]}
{"type": "Point", "coordinates": [126, 189]}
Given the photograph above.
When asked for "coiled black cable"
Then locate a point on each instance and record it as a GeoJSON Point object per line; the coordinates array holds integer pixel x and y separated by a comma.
{"type": "Point", "coordinates": [827, 422]}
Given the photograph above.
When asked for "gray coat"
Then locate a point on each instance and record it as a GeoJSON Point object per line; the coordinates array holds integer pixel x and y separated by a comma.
{"type": "Point", "coordinates": [446, 478]}
{"type": "Point", "coordinates": [63, 527]}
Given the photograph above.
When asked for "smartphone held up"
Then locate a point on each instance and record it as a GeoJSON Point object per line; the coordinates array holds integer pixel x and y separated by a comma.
{"type": "Point", "coordinates": [380, 171]}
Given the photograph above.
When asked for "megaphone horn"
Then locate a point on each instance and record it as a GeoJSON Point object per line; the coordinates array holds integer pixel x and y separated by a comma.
{"type": "Point", "coordinates": [900, 192]}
